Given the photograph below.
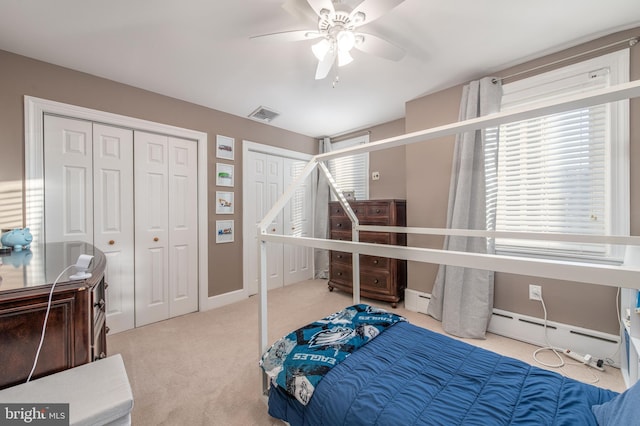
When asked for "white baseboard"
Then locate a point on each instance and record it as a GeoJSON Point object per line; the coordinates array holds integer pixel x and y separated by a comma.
{"type": "Point", "coordinates": [531, 330]}
{"type": "Point", "coordinates": [214, 302]}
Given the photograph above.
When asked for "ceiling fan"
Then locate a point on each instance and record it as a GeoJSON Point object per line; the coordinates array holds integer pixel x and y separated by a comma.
{"type": "Point", "coordinates": [338, 31]}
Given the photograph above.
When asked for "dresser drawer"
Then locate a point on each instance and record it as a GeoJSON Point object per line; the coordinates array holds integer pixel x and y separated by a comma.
{"type": "Point", "coordinates": [374, 262]}
{"type": "Point", "coordinates": [375, 281]}
{"type": "Point", "coordinates": [342, 273]}
{"type": "Point", "coordinates": [365, 261]}
{"type": "Point", "coordinates": [374, 210]}
{"type": "Point", "coordinates": [341, 257]}
{"type": "Point", "coordinates": [340, 223]}
{"type": "Point", "coordinates": [365, 237]}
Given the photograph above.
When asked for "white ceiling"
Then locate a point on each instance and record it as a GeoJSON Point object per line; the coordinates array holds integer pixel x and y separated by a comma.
{"type": "Point", "coordinates": [200, 50]}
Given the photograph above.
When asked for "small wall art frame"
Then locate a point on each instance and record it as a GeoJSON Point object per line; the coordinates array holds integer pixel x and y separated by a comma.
{"type": "Point", "coordinates": [224, 174]}
{"type": "Point", "coordinates": [225, 147]}
{"type": "Point", "coordinates": [224, 231]}
{"type": "Point", "coordinates": [224, 202]}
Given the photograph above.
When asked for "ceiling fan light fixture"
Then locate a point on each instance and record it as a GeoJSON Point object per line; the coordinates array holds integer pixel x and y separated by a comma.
{"type": "Point", "coordinates": [344, 58]}
{"type": "Point", "coordinates": [345, 40]}
{"type": "Point", "coordinates": [358, 18]}
{"type": "Point", "coordinates": [321, 48]}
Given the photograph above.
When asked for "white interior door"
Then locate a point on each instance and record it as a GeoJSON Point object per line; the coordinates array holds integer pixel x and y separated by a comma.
{"type": "Point", "coordinates": [183, 226]}
{"type": "Point", "coordinates": [298, 260]}
{"type": "Point", "coordinates": [113, 220]}
{"type": "Point", "coordinates": [266, 176]}
{"type": "Point", "coordinates": [151, 228]}
{"type": "Point", "coordinates": [265, 185]}
{"type": "Point", "coordinates": [68, 177]}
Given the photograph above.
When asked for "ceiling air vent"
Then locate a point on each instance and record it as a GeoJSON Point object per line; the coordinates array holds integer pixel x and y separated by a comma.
{"type": "Point", "coordinates": [263, 114]}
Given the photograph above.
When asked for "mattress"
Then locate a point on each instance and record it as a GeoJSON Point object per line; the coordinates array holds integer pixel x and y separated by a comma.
{"type": "Point", "coordinates": [412, 376]}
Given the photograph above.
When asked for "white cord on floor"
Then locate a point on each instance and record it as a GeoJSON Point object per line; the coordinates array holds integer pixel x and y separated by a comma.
{"type": "Point", "coordinates": [555, 350]}
{"type": "Point", "coordinates": [548, 347]}
{"type": "Point", "coordinates": [44, 325]}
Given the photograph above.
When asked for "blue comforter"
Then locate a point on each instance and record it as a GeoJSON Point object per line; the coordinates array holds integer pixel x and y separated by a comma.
{"type": "Point", "coordinates": [412, 376]}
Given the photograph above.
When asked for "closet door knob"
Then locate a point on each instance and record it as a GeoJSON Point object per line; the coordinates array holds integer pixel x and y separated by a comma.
{"type": "Point", "coordinates": [156, 239]}
{"type": "Point", "coordinates": [111, 242]}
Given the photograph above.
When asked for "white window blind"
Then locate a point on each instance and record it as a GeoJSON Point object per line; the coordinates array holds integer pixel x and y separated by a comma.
{"type": "Point", "coordinates": [558, 173]}
{"type": "Point", "coordinates": [351, 173]}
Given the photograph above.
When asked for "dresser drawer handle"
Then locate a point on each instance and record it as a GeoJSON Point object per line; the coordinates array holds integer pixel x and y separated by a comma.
{"type": "Point", "coordinates": [339, 256]}
{"type": "Point", "coordinates": [339, 273]}
{"type": "Point", "coordinates": [156, 239]}
{"type": "Point", "coordinates": [375, 262]}
{"type": "Point", "coordinates": [111, 242]}
{"type": "Point", "coordinates": [377, 210]}
{"type": "Point", "coordinates": [376, 281]}
{"type": "Point", "coordinates": [339, 225]}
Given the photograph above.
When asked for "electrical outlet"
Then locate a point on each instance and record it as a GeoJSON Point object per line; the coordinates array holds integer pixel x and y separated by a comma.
{"type": "Point", "coordinates": [375, 175]}
{"type": "Point", "coordinates": [535, 292]}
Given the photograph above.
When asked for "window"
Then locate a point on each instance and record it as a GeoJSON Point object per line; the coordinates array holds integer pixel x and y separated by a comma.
{"type": "Point", "coordinates": [352, 172]}
{"type": "Point", "coordinates": [566, 172]}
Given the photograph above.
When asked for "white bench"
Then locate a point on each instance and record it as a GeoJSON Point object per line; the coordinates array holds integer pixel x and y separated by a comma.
{"type": "Point", "coordinates": [98, 393]}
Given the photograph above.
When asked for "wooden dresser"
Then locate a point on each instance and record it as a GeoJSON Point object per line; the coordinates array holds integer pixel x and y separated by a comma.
{"type": "Point", "coordinates": [381, 278]}
{"type": "Point", "coordinates": [76, 330]}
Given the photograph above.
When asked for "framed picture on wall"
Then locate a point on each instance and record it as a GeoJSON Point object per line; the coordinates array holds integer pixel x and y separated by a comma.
{"type": "Point", "coordinates": [224, 231]}
{"type": "Point", "coordinates": [224, 174]}
{"type": "Point", "coordinates": [224, 147]}
{"type": "Point", "coordinates": [224, 202]}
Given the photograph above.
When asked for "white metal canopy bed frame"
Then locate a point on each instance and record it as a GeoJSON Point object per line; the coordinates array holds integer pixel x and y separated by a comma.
{"type": "Point", "coordinates": [610, 275]}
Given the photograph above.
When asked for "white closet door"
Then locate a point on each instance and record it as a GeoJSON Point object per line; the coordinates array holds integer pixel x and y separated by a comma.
{"type": "Point", "coordinates": [298, 260]}
{"type": "Point", "coordinates": [265, 178]}
{"type": "Point", "coordinates": [68, 177]}
{"type": "Point", "coordinates": [183, 226]}
{"type": "Point", "coordinates": [113, 220]}
{"type": "Point", "coordinates": [151, 233]}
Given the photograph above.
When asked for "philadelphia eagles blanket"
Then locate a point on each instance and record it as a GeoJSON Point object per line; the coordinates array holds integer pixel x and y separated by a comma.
{"type": "Point", "coordinates": [298, 361]}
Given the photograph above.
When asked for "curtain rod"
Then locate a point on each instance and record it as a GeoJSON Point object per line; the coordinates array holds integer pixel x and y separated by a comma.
{"type": "Point", "coordinates": [632, 41]}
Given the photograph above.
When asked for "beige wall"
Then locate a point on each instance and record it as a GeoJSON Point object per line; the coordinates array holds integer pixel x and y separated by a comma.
{"type": "Point", "coordinates": [389, 163]}
{"type": "Point", "coordinates": [20, 76]}
{"type": "Point", "coordinates": [428, 168]}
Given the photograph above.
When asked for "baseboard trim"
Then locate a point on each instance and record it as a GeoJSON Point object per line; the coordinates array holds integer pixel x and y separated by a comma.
{"type": "Point", "coordinates": [221, 300]}
{"type": "Point", "coordinates": [531, 330]}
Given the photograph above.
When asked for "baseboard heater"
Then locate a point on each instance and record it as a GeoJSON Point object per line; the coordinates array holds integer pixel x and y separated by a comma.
{"type": "Point", "coordinates": [531, 330]}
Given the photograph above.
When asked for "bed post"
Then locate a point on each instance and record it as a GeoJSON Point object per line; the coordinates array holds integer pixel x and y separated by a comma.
{"type": "Point", "coordinates": [262, 311]}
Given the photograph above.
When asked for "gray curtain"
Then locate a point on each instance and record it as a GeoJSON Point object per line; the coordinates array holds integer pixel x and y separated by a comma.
{"type": "Point", "coordinates": [462, 298]}
{"type": "Point", "coordinates": [321, 221]}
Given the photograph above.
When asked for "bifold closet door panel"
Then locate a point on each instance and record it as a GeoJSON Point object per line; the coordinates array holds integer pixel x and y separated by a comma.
{"type": "Point", "coordinates": [183, 226]}
{"type": "Point", "coordinates": [151, 227]}
{"type": "Point", "coordinates": [68, 179]}
{"type": "Point", "coordinates": [113, 220]}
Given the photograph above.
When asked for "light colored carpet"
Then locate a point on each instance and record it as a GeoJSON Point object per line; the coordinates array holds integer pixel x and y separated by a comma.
{"type": "Point", "coordinates": [202, 368]}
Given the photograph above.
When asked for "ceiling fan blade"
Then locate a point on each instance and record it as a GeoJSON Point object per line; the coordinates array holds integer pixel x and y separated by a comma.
{"type": "Point", "coordinates": [325, 65]}
{"type": "Point", "coordinates": [372, 10]}
{"type": "Point", "coordinates": [377, 46]}
{"type": "Point", "coordinates": [297, 35]}
{"type": "Point", "coordinates": [299, 9]}
{"type": "Point", "coordinates": [318, 5]}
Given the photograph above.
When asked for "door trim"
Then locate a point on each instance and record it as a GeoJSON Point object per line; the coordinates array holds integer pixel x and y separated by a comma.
{"type": "Point", "coordinates": [247, 236]}
{"type": "Point", "coordinates": [34, 111]}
